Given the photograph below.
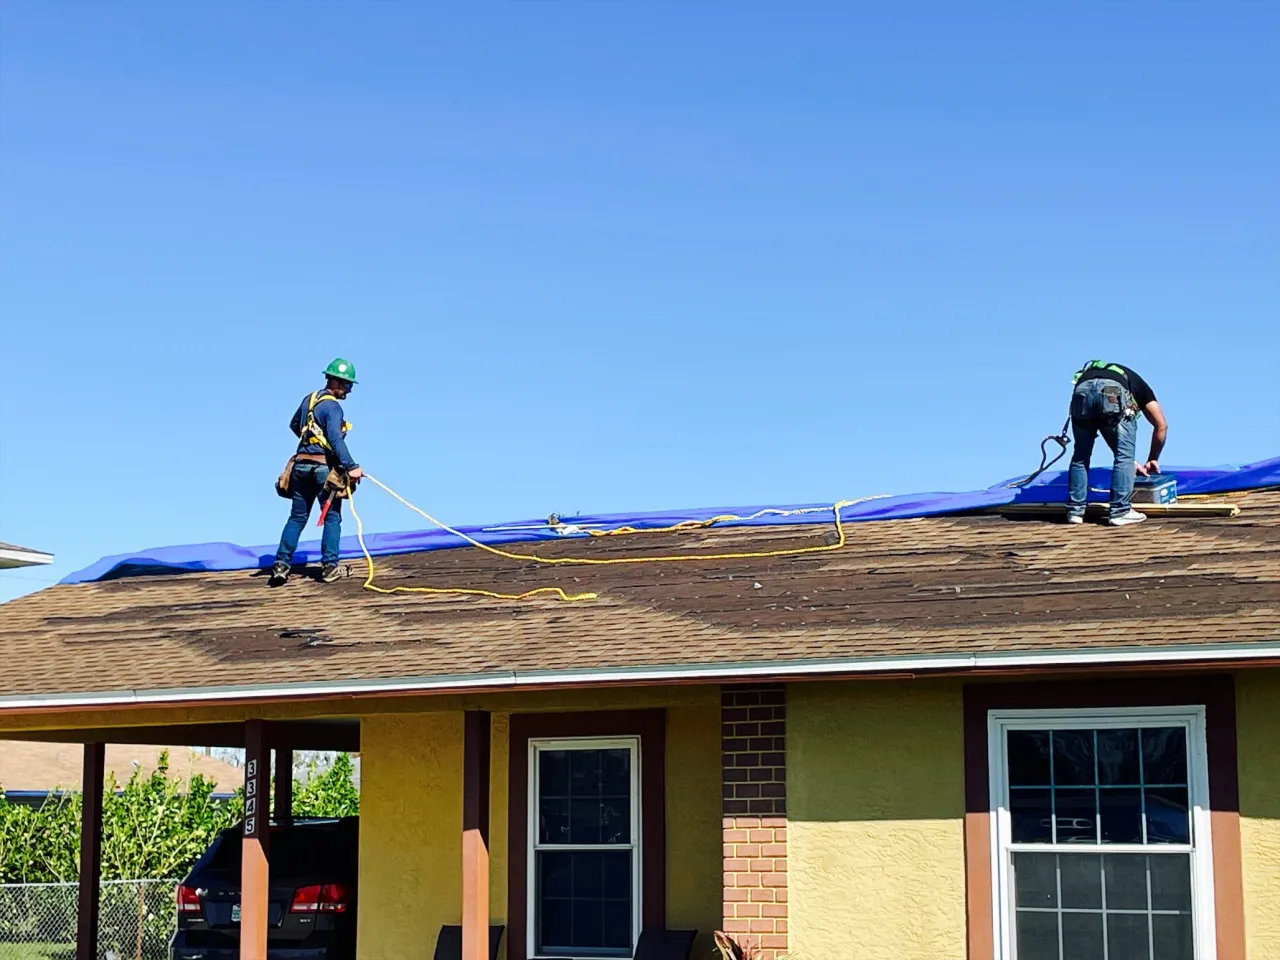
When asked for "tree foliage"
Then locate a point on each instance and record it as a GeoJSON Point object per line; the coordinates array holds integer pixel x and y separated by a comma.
{"type": "Point", "coordinates": [153, 827]}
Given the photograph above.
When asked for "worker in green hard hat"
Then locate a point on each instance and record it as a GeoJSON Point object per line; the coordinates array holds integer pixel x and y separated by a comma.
{"type": "Point", "coordinates": [322, 451]}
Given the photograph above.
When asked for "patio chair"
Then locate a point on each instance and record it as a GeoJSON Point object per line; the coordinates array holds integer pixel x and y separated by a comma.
{"type": "Point", "coordinates": [657, 944]}
{"type": "Point", "coordinates": [449, 943]}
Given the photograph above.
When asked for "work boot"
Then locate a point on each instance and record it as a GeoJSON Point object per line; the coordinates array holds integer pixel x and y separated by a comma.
{"type": "Point", "coordinates": [1075, 518]}
{"type": "Point", "coordinates": [279, 574]}
{"type": "Point", "coordinates": [1125, 520]}
{"type": "Point", "coordinates": [330, 572]}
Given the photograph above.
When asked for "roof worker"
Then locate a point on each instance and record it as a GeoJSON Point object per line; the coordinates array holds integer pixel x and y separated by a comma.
{"type": "Point", "coordinates": [1107, 400]}
{"type": "Point", "coordinates": [322, 452]}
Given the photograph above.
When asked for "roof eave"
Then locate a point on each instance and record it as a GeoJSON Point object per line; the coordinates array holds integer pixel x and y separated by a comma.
{"type": "Point", "coordinates": [1207, 655]}
{"type": "Point", "coordinates": [13, 557]}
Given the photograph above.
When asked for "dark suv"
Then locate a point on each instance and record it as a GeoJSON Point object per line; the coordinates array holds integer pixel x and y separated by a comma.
{"type": "Point", "coordinates": [312, 895]}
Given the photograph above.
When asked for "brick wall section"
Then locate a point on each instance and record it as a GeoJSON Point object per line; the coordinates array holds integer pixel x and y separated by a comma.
{"type": "Point", "coordinates": [753, 728]}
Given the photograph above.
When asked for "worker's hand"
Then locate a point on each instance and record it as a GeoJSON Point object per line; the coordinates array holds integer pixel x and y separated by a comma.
{"type": "Point", "coordinates": [1150, 468]}
{"type": "Point", "coordinates": [355, 475]}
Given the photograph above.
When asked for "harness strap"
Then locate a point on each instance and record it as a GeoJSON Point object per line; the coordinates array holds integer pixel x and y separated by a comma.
{"type": "Point", "coordinates": [312, 432]}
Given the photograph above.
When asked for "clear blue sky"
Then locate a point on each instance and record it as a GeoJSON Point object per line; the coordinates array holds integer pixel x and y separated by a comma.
{"type": "Point", "coordinates": [614, 255]}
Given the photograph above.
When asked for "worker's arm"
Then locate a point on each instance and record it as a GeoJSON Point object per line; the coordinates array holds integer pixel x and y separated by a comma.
{"type": "Point", "coordinates": [296, 423]}
{"type": "Point", "coordinates": [1159, 431]}
{"type": "Point", "coordinates": [329, 416]}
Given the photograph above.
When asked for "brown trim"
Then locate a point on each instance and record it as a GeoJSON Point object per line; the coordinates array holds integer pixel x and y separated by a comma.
{"type": "Point", "coordinates": [1215, 693]}
{"type": "Point", "coordinates": [650, 727]}
{"type": "Point", "coordinates": [90, 851]}
{"type": "Point", "coordinates": [254, 871]}
{"type": "Point", "coordinates": [281, 734]}
{"type": "Point", "coordinates": [475, 835]}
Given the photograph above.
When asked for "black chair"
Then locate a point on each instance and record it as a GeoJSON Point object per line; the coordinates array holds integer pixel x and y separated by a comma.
{"type": "Point", "coordinates": [449, 943]}
{"type": "Point", "coordinates": [656, 944]}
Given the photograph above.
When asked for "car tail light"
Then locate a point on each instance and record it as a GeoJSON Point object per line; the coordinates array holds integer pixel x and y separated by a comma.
{"type": "Point", "coordinates": [330, 898]}
{"type": "Point", "coordinates": [188, 900]}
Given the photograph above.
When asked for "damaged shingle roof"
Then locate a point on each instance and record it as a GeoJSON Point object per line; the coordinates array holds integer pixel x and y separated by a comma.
{"type": "Point", "coordinates": [899, 589]}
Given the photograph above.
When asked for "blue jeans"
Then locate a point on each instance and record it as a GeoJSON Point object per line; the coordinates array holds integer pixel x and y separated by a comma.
{"type": "Point", "coordinates": [1102, 407]}
{"type": "Point", "coordinates": [306, 486]}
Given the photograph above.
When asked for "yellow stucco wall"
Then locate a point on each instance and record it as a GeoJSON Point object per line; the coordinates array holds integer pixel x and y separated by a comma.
{"type": "Point", "coordinates": [875, 846]}
{"type": "Point", "coordinates": [1257, 719]}
{"type": "Point", "coordinates": [411, 814]}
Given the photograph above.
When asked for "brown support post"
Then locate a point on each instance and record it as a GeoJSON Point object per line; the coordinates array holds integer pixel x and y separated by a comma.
{"type": "Point", "coordinates": [284, 784]}
{"type": "Point", "coordinates": [475, 836]}
{"type": "Point", "coordinates": [253, 870]}
{"type": "Point", "coordinates": [90, 851]}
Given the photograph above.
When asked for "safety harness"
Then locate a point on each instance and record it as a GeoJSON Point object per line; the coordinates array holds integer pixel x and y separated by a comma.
{"type": "Point", "coordinates": [311, 431]}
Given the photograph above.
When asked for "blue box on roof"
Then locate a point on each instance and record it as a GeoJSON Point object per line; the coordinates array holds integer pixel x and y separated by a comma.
{"type": "Point", "coordinates": [1157, 489]}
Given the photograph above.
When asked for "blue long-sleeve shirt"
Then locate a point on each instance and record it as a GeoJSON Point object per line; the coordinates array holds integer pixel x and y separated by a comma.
{"type": "Point", "coordinates": [328, 414]}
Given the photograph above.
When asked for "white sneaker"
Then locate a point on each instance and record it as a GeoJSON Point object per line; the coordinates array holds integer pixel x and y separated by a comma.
{"type": "Point", "coordinates": [1074, 518]}
{"type": "Point", "coordinates": [1132, 517]}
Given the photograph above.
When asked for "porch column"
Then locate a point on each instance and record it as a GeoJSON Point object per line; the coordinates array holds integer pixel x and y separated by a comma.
{"type": "Point", "coordinates": [283, 808]}
{"type": "Point", "coordinates": [253, 868]}
{"type": "Point", "coordinates": [475, 836]}
{"type": "Point", "coordinates": [90, 851]}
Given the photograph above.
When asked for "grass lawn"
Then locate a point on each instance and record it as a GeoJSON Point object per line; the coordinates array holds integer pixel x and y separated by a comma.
{"type": "Point", "coordinates": [37, 951]}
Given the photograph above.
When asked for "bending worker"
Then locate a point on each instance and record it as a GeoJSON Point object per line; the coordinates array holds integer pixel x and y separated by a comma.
{"type": "Point", "coordinates": [1107, 400]}
{"type": "Point", "coordinates": [322, 450]}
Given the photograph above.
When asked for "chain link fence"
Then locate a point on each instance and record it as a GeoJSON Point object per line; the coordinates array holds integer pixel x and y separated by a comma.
{"type": "Point", "coordinates": [38, 920]}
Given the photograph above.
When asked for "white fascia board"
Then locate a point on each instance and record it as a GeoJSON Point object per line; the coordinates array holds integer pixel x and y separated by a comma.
{"type": "Point", "coordinates": [851, 668]}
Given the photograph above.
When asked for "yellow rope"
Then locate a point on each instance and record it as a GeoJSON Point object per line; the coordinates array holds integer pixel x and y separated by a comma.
{"type": "Point", "coordinates": [835, 508]}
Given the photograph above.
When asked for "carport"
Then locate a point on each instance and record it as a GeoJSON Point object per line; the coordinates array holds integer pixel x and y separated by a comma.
{"type": "Point", "coordinates": [262, 741]}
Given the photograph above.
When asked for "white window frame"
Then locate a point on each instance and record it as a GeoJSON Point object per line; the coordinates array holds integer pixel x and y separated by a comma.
{"type": "Point", "coordinates": [534, 847]}
{"type": "Point", "coordinates": [1192, 719]}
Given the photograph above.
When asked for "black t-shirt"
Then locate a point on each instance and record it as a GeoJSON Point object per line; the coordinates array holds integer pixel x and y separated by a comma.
{"type": "Point", "coordinates": [1141, 390]}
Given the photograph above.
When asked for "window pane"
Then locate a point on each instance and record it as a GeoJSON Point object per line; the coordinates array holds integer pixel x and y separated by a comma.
{"type": "Point", "coordinates": [1037, 936]}
{"type": "Point", "coordinates": [1121, 815]}
{"type": "Point", "coordinates": [556, 923]}
{"type": "Point", "coordinates": [1118, 757]}
{"type": "Point", "coordinates": [584, 821]}
{"type": "Point", "coordinates": [1127, 936]}
{"type": "Point", "coordinates": [1081, 881]}
{"type": "Point", "coordinates": [556, 875]}
{"type": "Point", "coordinates": [554, 821]}
{"type": "Point", "coordinates": [1076, 816]}
{"type": "Point", "coordinates": [616, 773]}
{"type": "Point", "coordinates": [1073, 757]}
{"type": "Point", "coordinates": [584, 902]}
{"type": "Point", "coordinates": [1035, 879]}
{"type": "Point", "coordinates": [1164, 755]}
{"type": "Point", "coordinates": [1082, 936]}
{"type": "Point", "coordinates": [1167, 816]}
{"type": "Point", "coordinates": [1028, 758]}
{"type": "Point", "coordinates": [1173, 937]}
{"type": "Point", "coordinates": [584, 773]}
{"type": "Point", "coordinates": [1031, 816]}
{"type": "Point", "coordinates": [588, 923]}
{"type": "Point", "coordinates": [617, 924]}
{"type": "Point", "coordinates": [553, 773]}
{"type": "Point", "coordinates": [1126, 876]}
{"type": "Point", "coordinates": [615, 820]}
{"type": "Point", "coordinates": [1171, 883]}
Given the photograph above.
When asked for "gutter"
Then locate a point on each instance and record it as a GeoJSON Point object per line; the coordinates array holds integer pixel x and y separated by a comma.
{"type": "Point", "coordinates": [775, 670]}
{"type": "Point", "coordinates": [11, 557]}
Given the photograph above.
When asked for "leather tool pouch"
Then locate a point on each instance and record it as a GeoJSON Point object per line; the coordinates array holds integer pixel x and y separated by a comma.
{"type": "Point", "coordinates": [284, 482]}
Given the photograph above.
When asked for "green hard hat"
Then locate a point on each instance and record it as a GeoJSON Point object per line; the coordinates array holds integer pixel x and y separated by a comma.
{"type": "Point", "coordinates": [341, 370]}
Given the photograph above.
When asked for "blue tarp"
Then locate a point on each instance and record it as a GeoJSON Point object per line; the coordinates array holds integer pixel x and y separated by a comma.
{"type": "Point", "coordinates": [1048, 488]}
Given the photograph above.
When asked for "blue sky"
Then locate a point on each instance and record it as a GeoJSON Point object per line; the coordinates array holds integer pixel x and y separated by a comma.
{"type": "Point", "coordinates": [614, 255]}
